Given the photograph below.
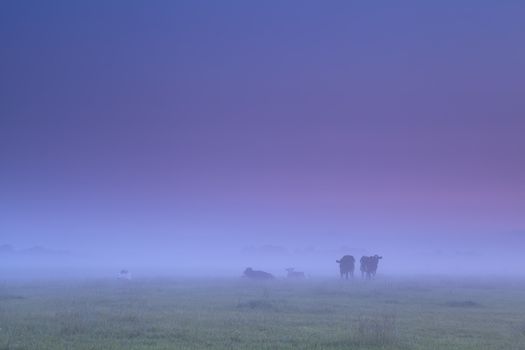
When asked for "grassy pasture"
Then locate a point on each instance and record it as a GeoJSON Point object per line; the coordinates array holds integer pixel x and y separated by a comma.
{"type": "Point", "coordinates": [386, 313]}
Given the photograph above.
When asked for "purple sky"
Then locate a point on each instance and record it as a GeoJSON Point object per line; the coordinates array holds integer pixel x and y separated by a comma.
{"type": "Point", "coordinates": [254, 122]}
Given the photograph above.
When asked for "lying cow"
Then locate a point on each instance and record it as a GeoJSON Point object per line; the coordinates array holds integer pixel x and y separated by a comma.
{"type": "Point", "coordinates": [295, 274]}
{"type": "Point", "coordinates": [124, 275]}
{"type": "Point", "coordinates": [257, 275]}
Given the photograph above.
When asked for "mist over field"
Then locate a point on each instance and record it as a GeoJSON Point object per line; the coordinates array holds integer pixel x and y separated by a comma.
{"type": "Point", "coordinates": [262, 175]}
{"type": "Point", "coordinates": [187, 139]}
{"type": "Point", "coordinates": [207, 258]}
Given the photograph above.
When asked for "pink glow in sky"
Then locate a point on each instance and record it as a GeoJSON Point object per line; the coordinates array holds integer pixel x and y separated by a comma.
{"type": "Point", "coordinates": [255, 122]}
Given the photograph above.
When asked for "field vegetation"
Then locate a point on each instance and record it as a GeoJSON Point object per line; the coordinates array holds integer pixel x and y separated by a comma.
{"type": "Point", "coordinates": [386, 313]}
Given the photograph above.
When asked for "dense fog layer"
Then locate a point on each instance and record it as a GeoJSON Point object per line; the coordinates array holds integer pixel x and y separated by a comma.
{"type": "Point", "coordinates": [201, 258]}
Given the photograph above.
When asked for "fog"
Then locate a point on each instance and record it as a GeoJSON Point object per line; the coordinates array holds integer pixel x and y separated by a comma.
{"type": "Point", "coordinates": [189, 139]}
{"type": "Point", "coordinates": [402, 256]}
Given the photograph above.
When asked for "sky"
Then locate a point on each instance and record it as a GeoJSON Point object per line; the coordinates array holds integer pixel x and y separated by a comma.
{"type": "Point", "coordinates": [204, 127]}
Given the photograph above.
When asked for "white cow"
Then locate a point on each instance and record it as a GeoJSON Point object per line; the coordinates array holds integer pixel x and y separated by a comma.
{"type": "Point", "coordinates": [295, 274]}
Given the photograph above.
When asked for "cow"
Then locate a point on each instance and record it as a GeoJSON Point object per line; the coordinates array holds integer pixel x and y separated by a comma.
{"type": "Point", "coordinates": [124, 275]}
{"type": "Point", "coordinates": [295, 274]}
{"type": "Point", "coordinates": [346, 266]}
{"type": "Point", "coordinates": [257, 275]}
{"type": "Point", "coordinates": [368, 265]}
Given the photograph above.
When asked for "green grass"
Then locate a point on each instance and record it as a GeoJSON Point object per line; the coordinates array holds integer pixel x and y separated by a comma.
{"type": "Point", "coordinates": [238, 314]}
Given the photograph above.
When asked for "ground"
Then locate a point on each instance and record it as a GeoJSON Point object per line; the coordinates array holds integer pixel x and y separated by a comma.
{"type": "Point", "coordinates": [386, 313]}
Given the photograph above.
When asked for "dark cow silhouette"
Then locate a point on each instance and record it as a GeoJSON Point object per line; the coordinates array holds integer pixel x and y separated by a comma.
{"type": "Point", "coordinates": [295, 274]}
{"type": "Point", "coordinates": [346, 266]}
{"type": "Point", "coordinates": [257, 275]}
{"type": "Point", "coordinates": [368, 265]}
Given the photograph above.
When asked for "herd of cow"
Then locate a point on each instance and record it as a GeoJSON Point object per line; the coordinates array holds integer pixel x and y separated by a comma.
{"type": "Point", "coordinates": [368, 265]}
{"type": "Point", "coordinates": [368, 268]}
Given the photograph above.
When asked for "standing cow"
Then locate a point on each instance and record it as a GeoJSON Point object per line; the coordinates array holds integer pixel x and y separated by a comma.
{"type": "Point", "coordinates": [346, 266]}
{"type": "Point", "coordinates": [368, 265]}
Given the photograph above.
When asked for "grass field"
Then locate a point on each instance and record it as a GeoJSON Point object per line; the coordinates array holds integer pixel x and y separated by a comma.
{"type": "Point", "coordinates": [426, 313]}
